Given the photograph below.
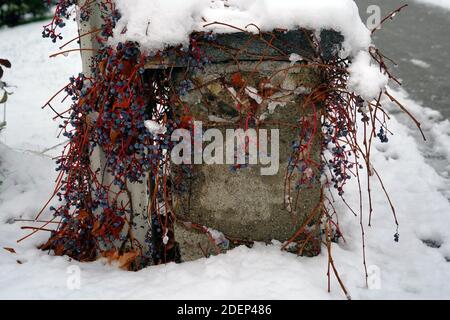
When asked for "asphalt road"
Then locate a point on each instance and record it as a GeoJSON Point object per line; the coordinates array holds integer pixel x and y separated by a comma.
{"type": "Point", "coordinates": [419, 32]}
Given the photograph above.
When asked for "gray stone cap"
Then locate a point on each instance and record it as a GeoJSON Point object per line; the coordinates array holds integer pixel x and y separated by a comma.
{"type": "Point", "coordinates": [242, 46]}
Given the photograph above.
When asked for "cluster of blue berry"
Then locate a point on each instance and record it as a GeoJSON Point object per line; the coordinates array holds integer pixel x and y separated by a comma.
{"type": "Point", "coordinates": [62, 13]}
{"type": "Point", "coordinates": [109, 111]}
{"type": "Point", "coordinates": [195, 57]}
{"type": "Point", "coordinates": [382, 135]}
{"type": "Point", "coordinates": [338, 137]}
{"type": "Point", "coordinates": [64, 10]}
{"type": "Point", "coordinates": [301, 164]}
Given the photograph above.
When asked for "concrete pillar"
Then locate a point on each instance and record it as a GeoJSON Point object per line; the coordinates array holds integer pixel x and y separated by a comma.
{"type": "Point", "coordinates": [244, 205]}
{"type": "Point", "coordinates": [139, 226]}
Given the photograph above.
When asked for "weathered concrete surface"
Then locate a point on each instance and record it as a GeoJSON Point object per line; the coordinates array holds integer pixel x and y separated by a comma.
{"type": "Point", "coordinates": [138, 226]}
{"type": "Point", "coordinates": [195, 244]}
{"type": "Point", "coordinates": [269, 46]}
{"type": "Point", "coordinates": [244, 204]}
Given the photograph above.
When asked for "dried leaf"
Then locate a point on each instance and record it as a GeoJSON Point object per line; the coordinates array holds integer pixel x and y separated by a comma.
{"type": "Point", "coordinates": [266, 90]}
{"type": "Point", "coordinates": [123, 261]}
{"type": "Point", "coordinates": [102, 67]}
{"type": "Point", "coordinates": [5, 63]}
{"type": "Point", "coordinates": [111, 255]}
{"type": "Point", "coordinates": [83, 214]}
{"type": "Point", "coordinates": [59, 250]}
{"type": "Point", "coordinates": [96, 230]}
{"type": "Point", "coordinates": [127, 68]}
{"type": "Point", "coordinates": [127, 259]}
{"type": "Point", "coordinates": [237, 81]}
{"type": "Point", "coordinates": [10, 250]}
{"type": "Point", "coordinates": [4, 98]}
{"type": "Point", "coordinates": [186, 122]}
{"type": "Point", "coordinates": [113, 135]}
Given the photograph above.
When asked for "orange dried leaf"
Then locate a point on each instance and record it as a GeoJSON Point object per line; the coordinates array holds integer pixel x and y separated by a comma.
{"type": "Point", "coordinates": [237, 81]}
{"type": "Point", "coordinates": [83, 214]}
{"type": "Point", "coordinates": [10, 250]}
{"type": "Point", "coordinates": [123, 104]}
{"type": "Point", "coordinates": [186, 122]}
{"type": "Point", "coordinates": [124, 261]}
{"type": "Point", "coordinates": [96, 228]}
{"type": "Point", "coordinates": [127, 259]}
{"type": "Point", "coordinates": [127, 69]}
{"type": "Point", "coordinates": [59, 250]}
{"type": "Point", "coordinates": [102, 67]}
{"type": "Point", "coordinates": [113, 135]}
{"type": "Point", "coordinates": [111, 255]}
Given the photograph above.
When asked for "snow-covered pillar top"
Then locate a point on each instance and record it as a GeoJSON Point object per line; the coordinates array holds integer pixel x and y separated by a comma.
{"type": "Point", "coordinates": [170, 23]}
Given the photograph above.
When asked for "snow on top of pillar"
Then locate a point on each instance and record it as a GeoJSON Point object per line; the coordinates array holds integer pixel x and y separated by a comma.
{"type": "Point", "coordinates": [157, 24]}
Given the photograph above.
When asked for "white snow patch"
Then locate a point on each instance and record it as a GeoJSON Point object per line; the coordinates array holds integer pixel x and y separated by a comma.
{"type": "Point", "coordinates": [294, 58]}
{"type": "Point", "coordinates": [154, 127]}
{"type": "Point", "coordinates": [420, 63]}
{"type": "Point", "coordinates": [217, 119]}
{"type": "Point", "coordinates": [36, 78]}
{"type": "Point", "coordinates": [166, 23]}
{"type": "Point", "coordinates": [366, 79]}
{"type": "Point", "coordinates": [166, 237]}
{"type": "Point", "coordinates": [253, 93]}
{"type": "Point", "coordinates": [273, 105]}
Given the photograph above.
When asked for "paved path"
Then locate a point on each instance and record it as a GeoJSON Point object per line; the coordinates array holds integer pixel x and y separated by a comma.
{"type": "Point", "coordinates": [419, 32]}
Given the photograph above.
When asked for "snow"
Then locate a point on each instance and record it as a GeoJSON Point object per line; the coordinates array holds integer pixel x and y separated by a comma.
{"type": "Point", "coordinates": [294, 57]}
{"type": "Point", "coordinates": [408, 269]}
{"type": "Point", "coordinates": [154, 127]}
{"type": "Point", "coordinates": [365, 77]}
{"type": "Point", "coordinates": [36, 78]}
{"type": "Point", "coordinates": [166, 23]}
{"type": "Point", "coordinates": [437, 130]}
{"type": "Point", "coordinates": [420, 63]}
{"type": "Point", "coordinates": [441, 3]}
{"type": "Point", "coordinates": [219, 237]}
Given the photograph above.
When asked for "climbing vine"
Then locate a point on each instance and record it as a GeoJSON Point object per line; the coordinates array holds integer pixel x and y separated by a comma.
{"type": "Point", "coordinates": [111, 113]}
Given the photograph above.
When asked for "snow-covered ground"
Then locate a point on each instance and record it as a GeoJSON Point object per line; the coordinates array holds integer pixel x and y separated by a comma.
{"type": "Point", "coordinates": [409, 269]}
{"type": "Point", "coordinates": [36, 78]}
